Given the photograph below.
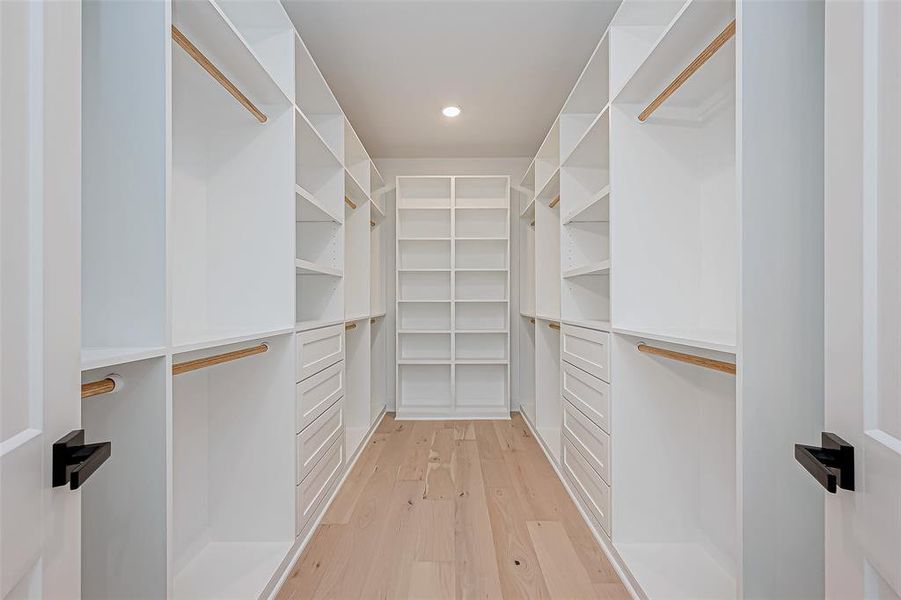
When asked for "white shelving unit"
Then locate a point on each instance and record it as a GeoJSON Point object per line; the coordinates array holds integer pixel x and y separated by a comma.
{"type": "Point", "coordinates": [192, 258]}
{"type": "Point", "coordinates": [453, 295]}
{"type": "Point", "coordinates": [664, 457]}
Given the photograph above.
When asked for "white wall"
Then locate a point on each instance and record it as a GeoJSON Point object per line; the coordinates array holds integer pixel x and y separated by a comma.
{"type": "Point", "coordinates": [393, 167]}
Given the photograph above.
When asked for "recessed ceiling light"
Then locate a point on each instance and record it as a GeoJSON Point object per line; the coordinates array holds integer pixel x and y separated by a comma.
{"type": "Point", "coordinates": [450, 111]}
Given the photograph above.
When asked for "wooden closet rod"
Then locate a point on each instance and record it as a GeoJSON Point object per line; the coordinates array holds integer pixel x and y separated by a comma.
{"type": "Point", "coordinates": [350, 203]}
{"type": "Point", "coordinates": [95, 388]}
{"type": "Point", "coordinates": [532, 321]}
{"type": "Point", "coordinates": [688, 71]}
{"type": "Point", "coordinates": [707, 363]}
{"type": "Point", "coordinates": [372, 223]}
{"type": "Point", "coordinates": [532, 224]}
{"type": "Point", "coordinates": [554, 325]}
{"type": "Point", "coordinates": [216, 74]}
{"type": "Point", "coordinates": [218, 359]}
{"type": "Point", "coordinates": [554, 202]}
{"type": "Point", "coordinates": [350, 326]}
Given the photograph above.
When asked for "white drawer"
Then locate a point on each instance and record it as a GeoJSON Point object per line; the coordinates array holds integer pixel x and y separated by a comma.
{"type": "Point", "coordinates": [591, 440]}
{"type": "Point", "coordinates": [315, 440]}
{"type": "Point", "coordinates": [587, 349]}
{"type": "Point", "coordinates": [317, 393]}
{"type": "Point", "coordinates": [588, 393]}
{"type": "Point", "coordinates": [591, 488]}
{"type": "Point", "coordinates": [318, 349]}
{"type": "Point", "coordinates": [316, 486]}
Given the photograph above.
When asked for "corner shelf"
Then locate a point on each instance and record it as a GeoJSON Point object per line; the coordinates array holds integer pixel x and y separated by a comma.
{"type": "Point", "coordinates": [305, 267]}
{"type": "Point", "coordinates": [309, 209]}
{"type": "Point", "coordinates": [595, 210]}
{"type": "Point", "coordinates": [598, 268]}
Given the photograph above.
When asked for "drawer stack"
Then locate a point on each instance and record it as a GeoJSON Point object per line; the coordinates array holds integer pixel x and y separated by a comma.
{"type": "Point", "coordinates": [320, 418]}
{"type": "Point", "coordinates": [585, 384]}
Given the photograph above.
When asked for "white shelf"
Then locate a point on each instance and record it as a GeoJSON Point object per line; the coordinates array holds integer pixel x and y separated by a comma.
{"type": "Point", "coordinates": [596, 209]}
{"type": "Point", "coordinates": [305, 267]}
{"type": "Point", "coordinates": [355, 318]}
{"type": "Point", "coordinates": [551, 188]}
{"type": "Point", "coordinates": [471, 331]}
{"type": "Point", "coordinates": [414, 331]}
{"type": "Point", "coordinates": [596, 137]}
{"type": "Point", "coordinates": [703, 340]}
{"type": "Point", "coordinates": [208, 28]}
{"type": "Point", "coordinates": [353, 189]}
{"type": "Point", "coordinates": [481, 361]}
{"type": "Point", "coordinates": [481, 239]}
{"type": "Point", "coordinates": [695, 26]}
{"type": "Point", "coordinates": [95, 358]}
{"type": "Point", "coordinates": [424, 270]}
{"type": "Point", "coordinates": [377, 315]}
{"type": "Point", "coordinates": [228, 338]}
{"type": "Point", "coordinates": [376, 213]}
{"type": "Point", "coordinates": [598, 268]}
{"type": "Point", "coordinates": [309, 209]}
{"type": "Point", "coordinates": [529, 211]}
{"type": "Point", "coordinates": [423, 239]}
{"type": "Point", "coordinates": [444, 208]}
{"type": "Point", "coordinates": [424, 361]}
{"type": "Point", "coordinates": [477, 270]}
{"type": "Point", "coordinates": [589, 324]}
{"type": "Point", "coordinates": [308, 134]}
{"type": "Point", "coordinates": [677, 571]}
{"type": "Point", "coordinates": [229, 570]}
{"type": "Point", "coordinates": [480, 301]}
{"type": "Point", "coordinates": [426, 301]}
{"type": "Point", "coordinates": [315, 324]}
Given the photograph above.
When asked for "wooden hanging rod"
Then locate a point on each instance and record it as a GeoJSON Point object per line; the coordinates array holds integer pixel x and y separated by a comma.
{"type": "Point", "coordinates": [209, 361]}
{"type": "Point", "coordinates": [350, 203]}
{"type": "Point", "coordinates": [554, 202]}
{"type": "Point", "coordinates": [707, 363]}
{"type": "Point", "coordinates": [372, 223]}
{"type": "Point", "coordinates": [371, 321]}
{"type": "Point", "coordinates": [532, 321]}
{"type": "Point", "coordinates": [532, 224]}
{"type": "Point", "coordinates": [95, 388]}
{"type": "Point", "coordinates": [349, 326]}
{"type": "Point", "coordinates": [554, 325]}
{"type": "Point", "coordinates": [688, 71]}
{"type": "Point", "coordinates": [216, 74]}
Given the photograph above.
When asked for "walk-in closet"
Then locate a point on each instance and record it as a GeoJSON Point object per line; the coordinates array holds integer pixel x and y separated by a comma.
{"type": "Point", "coordinates": [449, 300]}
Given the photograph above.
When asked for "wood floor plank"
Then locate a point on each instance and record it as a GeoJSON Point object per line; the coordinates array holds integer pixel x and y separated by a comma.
{"type": "Point", "coordinates": [342, 507]}
{"type": "Point", "coordinates": [389, 575]}
{"type": "Point", "coordinates": [431, 581]}
{"type": "Point", "coordinates": [518, 567]}
{"type": "Point", "coordinates": [562, 569]}
{"type": "Point", "coordinates": [486, 493]}
{"type": "Point", "coordinates": [475, 562]}
{"type": "Point", "coordinates": [440, 473]}
{"type": "Point", "coordinates": [434, 531]}
{"type": "Point", "coordinates": [416, 460]}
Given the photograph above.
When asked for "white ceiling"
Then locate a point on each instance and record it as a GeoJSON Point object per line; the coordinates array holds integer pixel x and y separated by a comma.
{"type": "Point", "coordinates": [508, 64]}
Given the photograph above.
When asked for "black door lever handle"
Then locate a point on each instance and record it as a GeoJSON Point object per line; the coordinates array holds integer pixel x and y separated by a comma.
{"type": "Point", "coordinates": [832, 464]}
{"type": "Point", "coordinates": [74, 461]}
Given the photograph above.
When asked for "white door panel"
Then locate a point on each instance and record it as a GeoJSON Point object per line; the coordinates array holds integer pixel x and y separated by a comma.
{"type": "Point", "coordinates": [863, 294]}
{"type": "Point", "coordinates": [40, 187]}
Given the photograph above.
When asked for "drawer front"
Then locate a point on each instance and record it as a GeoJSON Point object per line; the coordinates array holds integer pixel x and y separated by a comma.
{"type": "Point", "coordinates": [588, 393]}
{"type": "Point", "coordinates": [587, 349]}
{"type": "Point", "coordinates": [317, 393]}
{"type": "Point", "coordinates": [591, 488]}
{"type": "Point", "coordinates": [316, 486]}
{"type": "Point", "coordinates": [318, 349]}
{"type": "Point", "coordinates": [591, 440]}
{"type": "Point", "coordinates": [315, 440]}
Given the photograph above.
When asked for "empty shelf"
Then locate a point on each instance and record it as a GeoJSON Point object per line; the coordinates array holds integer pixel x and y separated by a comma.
{"type": "Point", "coordinates": [309, 209]}
{"type": "Point", "coordinates": [598, 268]}
{"type": "Point", "coordinates": [96, 357]}
{"type": "Point", "coordinates": [305, 267]}
{"type": "Point", "coordinates": [596, 209]}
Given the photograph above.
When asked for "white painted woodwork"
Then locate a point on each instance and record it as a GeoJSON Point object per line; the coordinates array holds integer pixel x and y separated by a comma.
{"type": "Point", "coordinates": [592, 442]}
{"type": "Point", "coordinates": [317, 392]}
{"type": "Point", "coordinates": [587, 349]}
{"type": "Point", "coordinates": [862, 185]}
{"type": "Point", "coordinates": [315, 440]}
{"type": "Point", "coordinates": [312, 490]}
{"type": "Point", "coordinates": [453, 293]}
{"type": "Point", "coordinates": [587, 393]}
{"type": "Point", "coordinates": [318, 349]}
{"type": "Point", "coordinates": [595, 493]}
{"type": "Point", "coordinates": [40, 160]}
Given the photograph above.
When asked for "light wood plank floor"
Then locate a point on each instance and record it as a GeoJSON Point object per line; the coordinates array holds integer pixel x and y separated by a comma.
{"type": "Point", "coordinates": [453, 509]}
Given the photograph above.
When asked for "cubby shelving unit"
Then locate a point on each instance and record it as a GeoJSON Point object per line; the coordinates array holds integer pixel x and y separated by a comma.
{"type": "Point", "coordinates": [453, 294]}
{"type": "Point", "coordinates": [187, 300]}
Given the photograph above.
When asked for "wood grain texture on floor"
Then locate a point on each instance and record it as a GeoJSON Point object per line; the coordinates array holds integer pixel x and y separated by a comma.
{"type": "Point", "coordinates": [452, 509]}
